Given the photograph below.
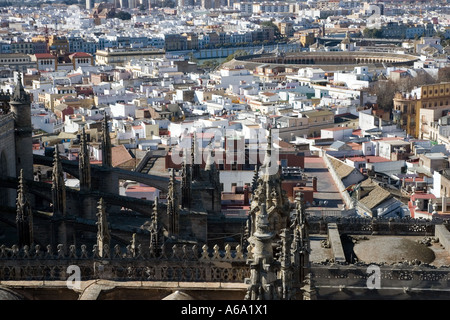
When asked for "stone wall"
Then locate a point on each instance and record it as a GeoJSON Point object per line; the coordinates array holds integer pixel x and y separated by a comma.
{"type": "Point", "coordinates": [176, 263]}
{"type": "Point", "coordinates": [399, 281]}
{"type": "Point", "coordinates": [7, 157]}
{"type": "Point", "coordinates": [443, 234]}
{"type": "Point", "coordinates": [335, 241]}
{"type": "Point", "coordinates": [380, 225]}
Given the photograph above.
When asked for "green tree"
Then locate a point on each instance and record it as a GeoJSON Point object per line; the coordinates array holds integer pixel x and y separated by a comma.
{"type": "Point", "coordinates": [237, 53]}
{"type": "Point", "coordinates": [122, 15]}
{"type": "Point", "coordinates": [210, 64]}
{"type": "Point", "coordinates": [192, 58]}
{"type": "Point", "coordinates": [373, 33]}
{"type": "Point", "coordinates": [385, 90]}
{"type": "Point", "coordinates": [276, 31]}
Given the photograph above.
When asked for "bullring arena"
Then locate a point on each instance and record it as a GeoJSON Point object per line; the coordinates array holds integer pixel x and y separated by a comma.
{"type": "Point", "coordinates": [328, 61]}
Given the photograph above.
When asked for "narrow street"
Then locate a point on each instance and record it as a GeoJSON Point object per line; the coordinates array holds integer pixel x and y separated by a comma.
{"type": "Point", "coordinates": [327, 195]}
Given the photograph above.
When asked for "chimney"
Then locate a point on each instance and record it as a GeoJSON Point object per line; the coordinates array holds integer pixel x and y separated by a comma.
{"type": "Point", "coordinates": [314, 182]}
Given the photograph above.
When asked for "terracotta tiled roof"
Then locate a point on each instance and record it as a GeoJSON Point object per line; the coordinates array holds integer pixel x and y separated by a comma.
{"type": "Point", "coordinates": [120, 155]}
{"type": "Point", "coordinates": [375, 197]}
{"type": "Point", "coordinates": [342, 169]}
{"type": "Point", "coordinates": [44, 56]}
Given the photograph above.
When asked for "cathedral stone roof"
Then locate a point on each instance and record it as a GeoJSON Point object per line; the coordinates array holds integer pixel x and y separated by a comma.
{"type": "Point", "coordinates": [392, 249]}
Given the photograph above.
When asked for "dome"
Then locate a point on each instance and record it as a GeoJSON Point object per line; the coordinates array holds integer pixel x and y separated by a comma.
{"type": "Point", "coordinates": [392, 249]}
{"type": "Point", "coordinates": [178, 295]}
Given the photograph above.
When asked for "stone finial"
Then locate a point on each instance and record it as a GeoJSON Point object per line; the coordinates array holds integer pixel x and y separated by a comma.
{"type": "Point", "coordinates": [24, 215]}
{"type": "Point", "coordinates": [262, 221]}
{"type": "Point", "coordinates": [84, 163]}
{"type": "Point", "coordinates": [19, 94]}
{"type": "Point", "coordinates": [205, 254]}
{"type": "Point", "coordinates": [106, 144]}
{"type": "Point", "coordinates": [103, 234]}
{"type": "Point", "coordinates": [58, 186]}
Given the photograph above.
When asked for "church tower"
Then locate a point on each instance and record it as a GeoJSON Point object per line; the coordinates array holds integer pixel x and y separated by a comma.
{"type": "Point", "coordinates": [21, 108]}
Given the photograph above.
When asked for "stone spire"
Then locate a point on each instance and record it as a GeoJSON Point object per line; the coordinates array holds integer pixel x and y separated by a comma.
{"type": "Point", "coordinates": [172, 206]}
{"type": "Point", "coordinates": [19, 94]}
{"type": "Point", "coordinates": [58, 187]}
{"type": "Point", "coordinates": [287, 292]}
{"type": "Point", "coordinates": [106, 144]}
{"type": "Point", "coordinates": [156, 231]}
{"type": "Point", "coordinates": [84, 163]}
{"type": "Point", "coordinates": [213, 175]}
{"type": "Point", "coordinates": [270, 192]}
{"type": "Point", "coordinates": [300, 244]}
{"type": "Point", "coordinates": [268, 156]}
{"type": "Point", "coordinates": [263, 276]}
{"type": "Point", "coordinates": [255, 178]}
{"type": "Point", "coordinates": [195, 157]}
{"type": "Point", "coordinates": [186, 183]}
{"type": "Point", "coordinates": [24, 215]}
{"type": "Point", "coordinates": [103, 235]}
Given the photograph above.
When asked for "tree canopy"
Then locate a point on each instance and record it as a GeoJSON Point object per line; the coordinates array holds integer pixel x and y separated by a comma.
{"type": "Point", "coordinates": [270, 24]}
{"type": "Point", "coordinates": [122, 15]}
{"type": "Point", "coordinates": [373, 33]}
{"type": "Point", "coordinates": [237, 53]}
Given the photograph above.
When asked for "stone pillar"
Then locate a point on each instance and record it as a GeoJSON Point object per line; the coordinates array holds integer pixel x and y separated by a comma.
{"type": "Point", "coordinates": [24, 216]}
{"type": "Point", "coordinates": [84, 164]}
{"type": "Point", "coordinates": [103, 235]}
{"type": "Point", "coordinates": [58, 187]}
{"type": "Point", "coordinates": [106, 144]}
